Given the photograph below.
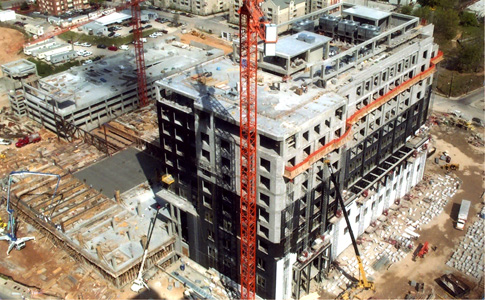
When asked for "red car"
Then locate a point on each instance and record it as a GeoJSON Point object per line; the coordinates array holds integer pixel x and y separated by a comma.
{"type": "Point", "coordinates": [113, 48]}
{"type": "Point", "coordinates": [32, 138]}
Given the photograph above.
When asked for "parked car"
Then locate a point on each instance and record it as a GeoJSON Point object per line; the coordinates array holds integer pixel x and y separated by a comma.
{"type": "Point", "coordinates": [97, 58]}
{"type": "Point", "coordinates": [111, 34]}
{"type": "Point", "coordinates": [124, 47]}
{"type": "Point", "coordinates": [147, 26]}
{"type": "Point", "coordinates": [31, 138]}
{"type": "Point", "coordinates": [86, 45]}
{"type": "Point", "coordinates": [477, 121]}
{"type": "Point", "coordinates": [113, 48]}
{"type": "Point", "coordinates": [102, 46]}
{"type": "Point", "coordinates": [116, 35]}
{"type": "Point", "coordinates": [5, 142]}
{"type": "Point", "coordinates": [87, 62]}
{"type": "Point", "coordinates": [77, 44]}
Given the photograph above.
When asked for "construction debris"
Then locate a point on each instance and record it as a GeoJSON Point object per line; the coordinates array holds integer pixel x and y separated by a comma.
{"type": "Point", "coordinates": [390, 239]}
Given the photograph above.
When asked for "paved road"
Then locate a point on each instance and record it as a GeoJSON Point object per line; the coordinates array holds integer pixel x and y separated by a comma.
{"type": "Point", "coordinates": [470, 105]}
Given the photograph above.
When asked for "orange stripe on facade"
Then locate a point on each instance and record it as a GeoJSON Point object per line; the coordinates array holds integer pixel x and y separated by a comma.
{"type": "Point", "coordinates": [292, 172]}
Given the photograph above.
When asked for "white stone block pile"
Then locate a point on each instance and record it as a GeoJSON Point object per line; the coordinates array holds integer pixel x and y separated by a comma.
{"type": "Point", "coordinates": [469, 255]}
{"type": "Point", "coordinates": [401, 226]}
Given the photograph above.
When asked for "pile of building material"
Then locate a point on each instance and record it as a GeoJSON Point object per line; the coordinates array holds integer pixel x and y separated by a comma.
{"type": "Point", "coordinates": [141, 123]}
{"type": "Point", "coordinates": [390, 239]}
{"type": "Point", "coordinates": [468, 257]}
{"type": "Point", "coordinates": [13, 127]}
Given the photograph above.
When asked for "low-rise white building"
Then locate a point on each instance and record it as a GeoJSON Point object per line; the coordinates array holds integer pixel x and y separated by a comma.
{"type": "Point", "coordinates": [7, 15]}
{"type": "Point", "coordinates": [29, 49]}
{"type": "Point", "coordinates": [48, 52]}
{"type": "Point", "coordinates": [34, 29]}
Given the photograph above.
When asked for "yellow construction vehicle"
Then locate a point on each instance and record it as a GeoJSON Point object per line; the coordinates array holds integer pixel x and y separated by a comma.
{"type": "Point", "coordinates": [362, 283]}
{"type": "Point", "coordinates": [3, 225]}
{"type": "Point", "coordinates": [451, 167]}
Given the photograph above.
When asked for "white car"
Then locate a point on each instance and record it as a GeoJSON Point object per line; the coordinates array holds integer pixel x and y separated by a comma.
{"type": "Point", "coordinates": [87, 53]}
{"type": "Point", "coordinates": [116, 35]}
{"type": "Point", "coordinates": [80, 52]}
{"type": "Point", "coordinates": [153, 35]}
{"type": "Point", "coordinates": [86, 45]}
{"type": "Point", "coordinates": [5, 142]}
{"type": "Point", "coordinates": [123, 47]}
{"type": "Point", "coordinates": [87, 62]}
{"type": "Point", "coordinates": [77, 44]}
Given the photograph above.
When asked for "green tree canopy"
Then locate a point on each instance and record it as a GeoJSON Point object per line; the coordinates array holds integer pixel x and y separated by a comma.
{"type": "Point", "coordinates": [425, 13]}
{"type": "Point", "coordinates": [24, 6]}
{"type": "Point", "coordinates": [468, 19]}
{"type": "Point", "coordinates": [446, 22]}
{"type": "Point", "coordinates": [407, 9]}
{"type": "Point", "coordinates": [431, 3]}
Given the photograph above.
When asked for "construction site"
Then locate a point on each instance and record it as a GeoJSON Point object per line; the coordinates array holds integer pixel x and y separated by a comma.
{"type": "Point", "coordinates": [348, 186]}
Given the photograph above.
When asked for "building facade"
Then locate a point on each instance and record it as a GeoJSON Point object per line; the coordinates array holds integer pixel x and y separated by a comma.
{"type": "Point", "coordinates": [59, 7]}
{"type": "Point", "coordinates": [357, 114]}
{"type": "Point", "coordinates": [197, 7]}
{"type": "Point", "coordinates": [278, 11]}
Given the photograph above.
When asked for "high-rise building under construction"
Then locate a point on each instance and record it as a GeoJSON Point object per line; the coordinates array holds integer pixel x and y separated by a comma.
{"type": "Point", "coordinates": [355, 94]}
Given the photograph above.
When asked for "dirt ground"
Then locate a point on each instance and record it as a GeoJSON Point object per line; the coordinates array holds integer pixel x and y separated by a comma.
{"type": "Point", "coordinates": [11, 42]}
{"type": "Point", "coordinates": [394, 283]}
{"type": "Point", "coordinates": [208, 40]}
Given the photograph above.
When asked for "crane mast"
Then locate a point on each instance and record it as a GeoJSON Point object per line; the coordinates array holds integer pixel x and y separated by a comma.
{"type": "Point", "coordinates": [139, 55]}
{"type": "Point", "coordinates": [251, 25]}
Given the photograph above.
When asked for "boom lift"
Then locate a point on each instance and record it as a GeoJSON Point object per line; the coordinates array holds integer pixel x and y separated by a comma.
{"type": "Point", "coordinates": [139, 283]}
{"type": "Point", "coordinates": [362, 283]}
{"type": "Point", "coordinates": [11, 237]}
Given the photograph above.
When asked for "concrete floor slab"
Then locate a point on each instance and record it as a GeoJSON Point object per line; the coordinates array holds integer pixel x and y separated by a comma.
{"type": "Point", "coordinates": [121, 171]}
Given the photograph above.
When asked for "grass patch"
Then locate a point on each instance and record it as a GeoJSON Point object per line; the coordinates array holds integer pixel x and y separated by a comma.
{"type": "Point", "coordinates": [461, 83]}
{"type": "Point", "coordinates": [96, 40]}
{"type": "Point", "coordinates": [471, 31]}
{"type": "Point", "coordinates": [44, 69]}
{"type": "Point", "coordinates": [456, 84]}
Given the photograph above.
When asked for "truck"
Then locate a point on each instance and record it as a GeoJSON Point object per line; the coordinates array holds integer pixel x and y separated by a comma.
{"type": "Point", "coordinates": [29, 139]}
{"type": "Point", "coordinates": [463, 214]}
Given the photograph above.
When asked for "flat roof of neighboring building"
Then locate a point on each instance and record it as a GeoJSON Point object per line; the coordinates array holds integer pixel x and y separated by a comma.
{"type": "Point", "coordinates": [280, 112]}
{"type": "Point", "coordinates": [84, 86]}
{"type": "Point", "coordinates": [19, 67]}
{"type": "Point", "coordinates": [366, 13]}
{"type": "Point", "coordinates": [292, 45]}
{"type": "Point", "coordinates": [116, 17]}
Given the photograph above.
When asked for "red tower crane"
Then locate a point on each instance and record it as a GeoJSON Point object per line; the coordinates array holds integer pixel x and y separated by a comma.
{"type": "Point", "coordinates": [139, 55]}
{"type": "Point", "coordinates": [252, 24]}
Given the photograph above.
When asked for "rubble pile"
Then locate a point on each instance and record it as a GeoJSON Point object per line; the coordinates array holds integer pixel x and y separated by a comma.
{"type": "Point", "coordinates": [394, 233]}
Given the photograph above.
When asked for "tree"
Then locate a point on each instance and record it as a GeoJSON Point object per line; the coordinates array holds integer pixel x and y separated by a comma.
{"type": "Point", "coordinates": [431, 3]}
{"type": "Point", "coordinates": [407, 9]}
{"type": "Point", "coordinates": [24, 6]}
{"type": "Point", "coordinates": [446, 21]}
{"type": "Point", "coordinates": [424, 12]}
{"type": "Point", "coordinates": [470, 58]}
{"type": "Point", "coordinates": [468, 19]}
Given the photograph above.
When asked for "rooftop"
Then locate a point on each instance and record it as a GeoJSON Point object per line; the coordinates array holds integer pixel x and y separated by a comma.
{"type": "Point", "coordinates": [19, 67]}
{"type": "Point", "coordinates": [116, 17]}
{"type": "Point", "coordinates": [366, 13]}
{"type": "Point", "coordinates": [293, 45]}
{"type": "Point", "coordinates": [280, 112]}
{"type": "Point", "coordinates": [86, 85]}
